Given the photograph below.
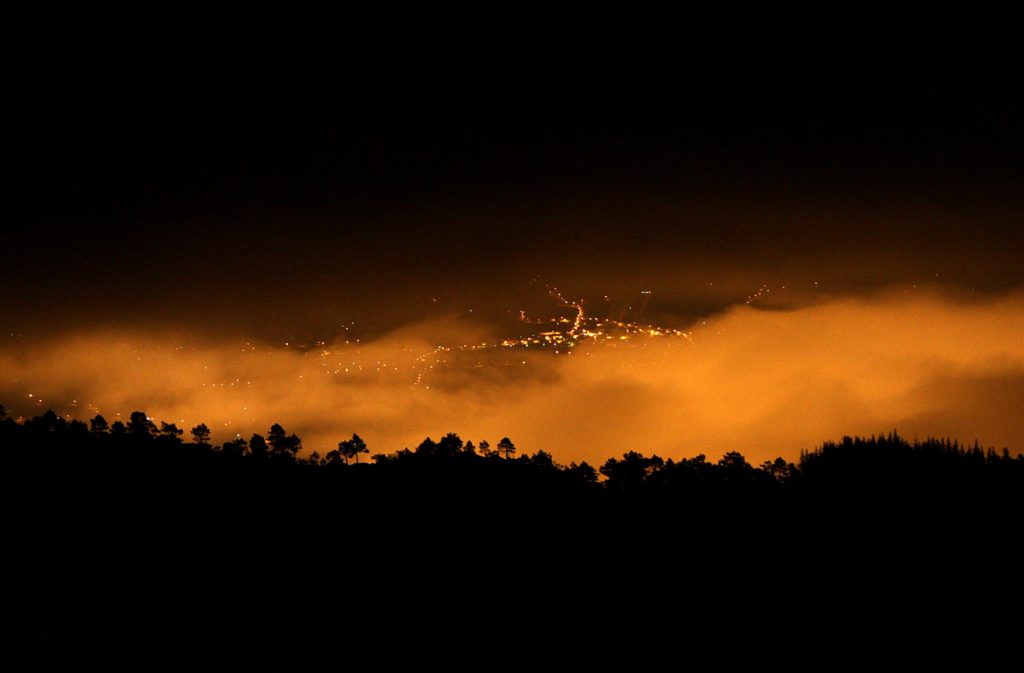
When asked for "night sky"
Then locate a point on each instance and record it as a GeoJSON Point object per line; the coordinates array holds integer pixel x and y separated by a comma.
{"type": "Point", "coordinates": [829, 206]}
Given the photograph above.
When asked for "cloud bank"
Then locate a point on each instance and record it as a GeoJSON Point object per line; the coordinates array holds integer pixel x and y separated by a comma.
{"type": "Point", "coordinates": [764, 382]}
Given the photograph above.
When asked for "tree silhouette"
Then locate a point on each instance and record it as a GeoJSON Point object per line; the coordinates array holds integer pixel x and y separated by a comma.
{"type": "Point", "coordinates": [140, 425]}
{"type": "Point", "coordinates": [3, 412]}
{"type": "Point", "coordinates": [449, 445]}
{"type": "Point", "coordinates": [258, 447]}
{"type": "Point", "coordinates": [48, 422]}
{"type": "Point", "coordinates": [201, 434]}
{"type": "Point", "coordinates": [276, 437]}
{"type": "Point", "coordinates": [98, 425]}
{"type": "Point", "coordinates": [583, 471]}
{"type": "Point", "coordinates": [485, 448]}
{"type": "Point", "coordinates": [351, 448]}
{"type": "Point", "coordinates": [631, 470]}
{"type": "Point", "coordinates": [778, 469]}
{"type": "Point", "coordinates": [734, 468]}
{"type": "Point", "coordinates": [542, 459]}
{"type": "Point", "coordinates": [858, 493]}
{"type": "Point", "coordinates": [469, 447]}
{"type": "Point", "coordinates": [281, 443]}
{"type": "Point", "coordinates": [427, 447]}
{"type": "Point", "coordinates": [506, 447]}
{"type": "Point", "coordinates": [170, 430]}
{"type": "Point", "coordinates": [234, 448]}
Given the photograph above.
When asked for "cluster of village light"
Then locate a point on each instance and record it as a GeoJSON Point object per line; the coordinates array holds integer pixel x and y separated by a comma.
{"type": "Point", "coordinates": [564, 334]}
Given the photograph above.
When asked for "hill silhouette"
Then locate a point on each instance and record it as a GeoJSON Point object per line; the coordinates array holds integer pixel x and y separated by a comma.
{"type": "Point", "coordinates": [130, 547]}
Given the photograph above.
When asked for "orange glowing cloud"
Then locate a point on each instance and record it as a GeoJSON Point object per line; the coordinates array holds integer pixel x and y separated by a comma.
{"type": "Point", "coordinates": [762, 382]}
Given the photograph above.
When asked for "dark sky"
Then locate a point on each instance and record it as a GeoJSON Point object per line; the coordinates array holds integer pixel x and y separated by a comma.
{"type": "Point", "coordinates": [276, 174]}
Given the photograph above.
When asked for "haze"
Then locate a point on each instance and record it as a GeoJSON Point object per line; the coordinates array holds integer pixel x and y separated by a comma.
{"type": "Point", "coordinates": [830, 204]}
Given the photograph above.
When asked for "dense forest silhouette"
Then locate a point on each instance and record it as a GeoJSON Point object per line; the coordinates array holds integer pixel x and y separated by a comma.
{"type": "Point", "coordinates": [145, 545]}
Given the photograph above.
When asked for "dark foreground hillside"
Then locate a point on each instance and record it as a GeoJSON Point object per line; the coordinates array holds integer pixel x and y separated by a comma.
{"type": "Point", "coordinates": [129, 549]}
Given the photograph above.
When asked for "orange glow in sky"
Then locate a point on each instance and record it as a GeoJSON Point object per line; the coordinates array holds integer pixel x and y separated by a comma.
{"type": "Point", "coordinates": [764, 382]}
